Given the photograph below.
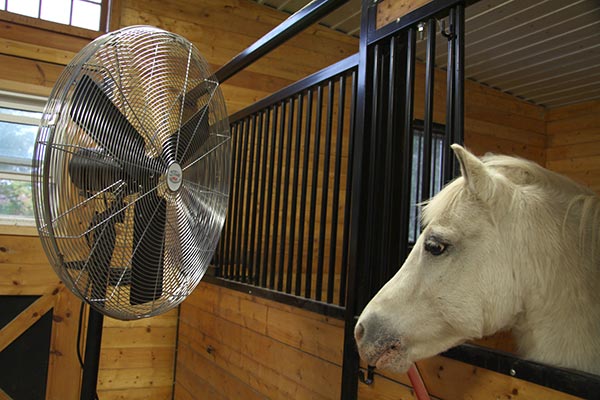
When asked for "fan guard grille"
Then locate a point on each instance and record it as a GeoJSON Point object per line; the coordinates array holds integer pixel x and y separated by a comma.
{"type": "Point", "coordinates": [131, 172]}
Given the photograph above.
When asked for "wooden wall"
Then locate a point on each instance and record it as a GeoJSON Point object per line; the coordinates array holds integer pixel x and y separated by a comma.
{"type": "Point", "coordinates": [236, 346]}
{"type": "Point", "coordinates": [221, 29]}
{"type": "Point", "coordinates": [136, 356]}
{"type": "Point", "coordinates": [574, 142]}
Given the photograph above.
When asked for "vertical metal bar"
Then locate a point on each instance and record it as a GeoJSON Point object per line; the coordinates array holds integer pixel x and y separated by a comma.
{"type": "Point", "coordinates": [459, 77]}
{"type": "Point", "coordinates": [294, 200]}
{"type": "Point", "coordinates": [270, 188]}
{"type": "Point", "coordinates": [407, 145]}
{"type": "Point", "coordinates": [336, 189]}
{"type": "Point", "coordinates": [303, 190]}
{"type": "Point", "coordinates": [418, 175]}
{"type": "Point", "coordinates": [387, 263]}
{"type": "Point", "coordinates": [104, 16]}
{"type": "Point", "coordinates": [234, 224]}
{"type": "Point", "coordinates": [248, 210]}
{"type": "Point", "coordinates": [449, 130]}
{"type": "Point", "coordinates": [435, 167]}
{"type": "Point", "coordinates": [240, 200]}
{"type": "Point", "coordinates": [70, 13]}
{"type": "Point", "coordinates": [313, 194]}
{"type": "Point", "coordinates": [227, 239]}
{"type": "Point", "coordinates": [373, 196]}
{"type": "Point", "coordinates": [428, 119]}
{"type": "Point", "coordinates": [359, 257]}
{"type": "Point", "coordinates": [253, 246]}
{"type": "Point", "coordinates": [324, 192]}
{"type": "Point", "coordinates": [286, 195]}
{"type": "Point", "coordinates": [277, 189]}
{"type": "Point", "coordinates": [261, 206]}
{"type": "Point", "coordinates": [348, 197]}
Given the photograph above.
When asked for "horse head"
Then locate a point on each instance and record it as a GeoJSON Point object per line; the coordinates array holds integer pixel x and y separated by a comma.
{"type": "Point", "coordinates": [459, 282]}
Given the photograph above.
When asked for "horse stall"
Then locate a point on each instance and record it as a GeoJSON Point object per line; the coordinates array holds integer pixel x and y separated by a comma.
{"type": "Point", "coordinates": [335, 139]}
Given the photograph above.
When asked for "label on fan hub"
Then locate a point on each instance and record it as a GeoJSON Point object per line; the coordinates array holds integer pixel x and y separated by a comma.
{"type": "Point", "coordinates": [174, 177]}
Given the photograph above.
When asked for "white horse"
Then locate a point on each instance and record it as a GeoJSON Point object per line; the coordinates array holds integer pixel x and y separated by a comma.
{"type": "Point", "coordinates": [509, 245]}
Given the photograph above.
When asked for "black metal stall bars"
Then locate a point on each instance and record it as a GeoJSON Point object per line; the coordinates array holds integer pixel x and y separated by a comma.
{"type": "Point", "coordinates": [397, 161]}
{"type": "Point", "coordinates": [287, 230]}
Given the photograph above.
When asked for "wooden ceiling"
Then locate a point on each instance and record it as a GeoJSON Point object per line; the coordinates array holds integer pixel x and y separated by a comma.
{"type": "Point", "coordinates": [546, 52]}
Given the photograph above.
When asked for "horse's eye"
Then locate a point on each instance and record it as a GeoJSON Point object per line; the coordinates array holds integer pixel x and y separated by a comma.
{"type": "Point", "coordinates": [434, 247]}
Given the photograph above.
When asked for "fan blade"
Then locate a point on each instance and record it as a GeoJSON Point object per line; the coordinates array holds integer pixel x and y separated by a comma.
{"type": "Point", "coordinates": [94, 111]}
{"type": "Point", "coordinates": [149, 221]}
{"type": "Point", "coordinates": [192, 134]}
{"type": "Point", "coordinates": [102, 242]}
{"type": "Point", "coordinates": [93, 171]}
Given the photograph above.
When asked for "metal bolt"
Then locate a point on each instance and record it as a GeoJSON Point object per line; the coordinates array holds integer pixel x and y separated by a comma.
{"type": "Point", "coordinates": [512, 372]}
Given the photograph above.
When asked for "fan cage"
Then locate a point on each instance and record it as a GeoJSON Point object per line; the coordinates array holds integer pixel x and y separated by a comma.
{"type": "Point", "coordinates": [129, 106]}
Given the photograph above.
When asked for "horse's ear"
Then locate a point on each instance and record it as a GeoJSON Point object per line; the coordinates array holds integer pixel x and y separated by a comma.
{"type": "Point", "coordinates": [477, 177]}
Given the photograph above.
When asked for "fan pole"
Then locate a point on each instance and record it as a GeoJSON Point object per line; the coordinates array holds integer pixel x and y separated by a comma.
{"type": "Point", "coordinates": [91, 365]}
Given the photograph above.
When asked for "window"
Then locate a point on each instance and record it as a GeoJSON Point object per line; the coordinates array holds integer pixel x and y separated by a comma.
{"type": "Point", "coordinates": [437, 150]}
{"type": "Point", "coordinates": [88, 14]}
{"type": "Point", "coordinates": [19, 119]}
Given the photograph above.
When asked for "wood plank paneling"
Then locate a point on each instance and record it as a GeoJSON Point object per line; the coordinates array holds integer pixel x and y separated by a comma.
{"type": "Point", "coordinates": [280, 354]}
{"type": "Point", "coordinates": [574, 142]}
{"type": "Point", "coordinates": [221, 30]}
{"type": "Point", "coordinates": [146, 345]}
{"type": "Point", "coordinates": [64, 371]}
{"type": "Point", "coordinates": [27, 318]}
{"type": "Point", "coordinates": [445, 378]}
{"type": "Point", "coordinates": [390, 10]}
{"type": "Point", "coordinates": [221, 354]}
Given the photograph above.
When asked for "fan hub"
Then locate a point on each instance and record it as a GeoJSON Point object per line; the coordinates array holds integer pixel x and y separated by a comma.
{"type": "Point", "coordinates": [174, 177]}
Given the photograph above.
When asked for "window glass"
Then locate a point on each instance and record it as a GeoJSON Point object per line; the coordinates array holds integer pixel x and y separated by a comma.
{"type": "Point", "coordinates": [86, 15]}
{"type": "Point", "coordinates": [437, 146]}
{"type": "Point", "coordinates": [17, 139]}
{"type": "Point", "coordinates": [56, 11]}
{"type": "Point", "coordinates": [19, 119]}
{"type": "Point", "coordinates": [15, 198]}
{"type": "Point", "coordinates": [29, 8]}
{"type": "Point", "coordinates": [80, 13]}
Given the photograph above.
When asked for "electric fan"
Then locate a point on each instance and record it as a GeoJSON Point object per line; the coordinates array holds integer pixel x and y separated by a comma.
{"type": "Point", "coordinates": [131, 172]}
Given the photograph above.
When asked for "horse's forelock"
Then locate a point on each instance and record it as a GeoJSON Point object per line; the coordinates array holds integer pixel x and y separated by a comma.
{"type": "Point", "coordinates": [445, 201]}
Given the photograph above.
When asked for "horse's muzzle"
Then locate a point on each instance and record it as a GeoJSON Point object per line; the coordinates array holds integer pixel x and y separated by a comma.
{"type": "Point", "coordinates": [377, 346]}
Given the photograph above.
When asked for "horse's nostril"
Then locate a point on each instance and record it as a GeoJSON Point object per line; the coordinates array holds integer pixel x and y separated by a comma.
{"type": "Point", "coordinates": [359, 331]}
